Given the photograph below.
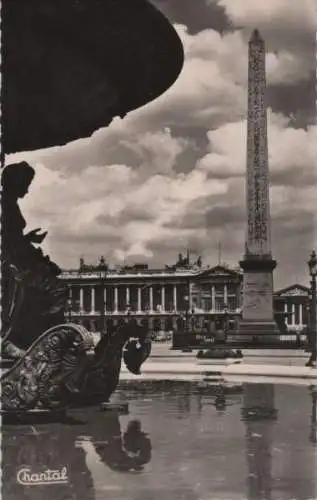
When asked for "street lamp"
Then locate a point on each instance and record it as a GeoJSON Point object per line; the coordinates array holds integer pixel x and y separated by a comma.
{"type": "Point", "coordinates": [312, 264]}
{"type": "Point", "coordinates": [128, 312]}
{"type": "Point", "coordinates": [186, 299]}
{"type": "Point", "coordinates": [103, 276]}
{"type": "Point", "coordinates": [225, 311]}
{"type": "Point", "coordinates": [187, 347]}
{"type": "Point", "coordinates": [69, 305]}
{"type": "Point", "coordinates": [69, 310]}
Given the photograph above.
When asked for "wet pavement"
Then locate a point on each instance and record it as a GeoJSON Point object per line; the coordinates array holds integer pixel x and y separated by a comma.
{"type": "Point", "coordinates": [180, 441]}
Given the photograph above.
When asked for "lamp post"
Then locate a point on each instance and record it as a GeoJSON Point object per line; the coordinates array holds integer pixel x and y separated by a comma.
{"type": "Point", "coordinates": [225, 329]}
{"type": "Point", "coordinates": [186, 299]}
{"type": "Point", "coordinates": [69, 305]}
{"type": "Point", "coordinates": [128, 312]}
{"type": "Point", "coordinates": [312, 264]}
{"type": "Point", "coordinates": [187, 305]}
{"type": "Point", "coordinates": [69, 310]}
{"type": "Point", "coordinates": [103, 302]}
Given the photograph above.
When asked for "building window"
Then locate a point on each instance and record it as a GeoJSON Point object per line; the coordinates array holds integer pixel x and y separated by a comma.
{"type": "Point", "coordinates": [207, 304]}
{"type": "Point", "coordinates": [232, 303]}
{"type": "Point", "coordinates": [231, 289]}
{"type": "Point", "coordinates": [220, 303]}
{"type": "Point", "coordinates": [219, 288]}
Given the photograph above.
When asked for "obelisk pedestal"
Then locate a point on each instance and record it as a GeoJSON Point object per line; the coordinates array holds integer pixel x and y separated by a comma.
{"type": "Point", "coordinates": [257, 324]}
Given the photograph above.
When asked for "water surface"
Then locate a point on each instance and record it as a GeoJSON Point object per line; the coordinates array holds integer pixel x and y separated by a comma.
{"type": "Point", "coordinates": [180, 441]}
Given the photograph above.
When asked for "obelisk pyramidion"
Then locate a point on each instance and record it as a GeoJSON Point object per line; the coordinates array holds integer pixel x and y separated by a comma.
{"type": "Point", "coordinates": [257, 312]}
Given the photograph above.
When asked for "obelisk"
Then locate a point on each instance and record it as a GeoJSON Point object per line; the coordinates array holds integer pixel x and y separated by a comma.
{"type": "Point", "coordinates": [257, 322]}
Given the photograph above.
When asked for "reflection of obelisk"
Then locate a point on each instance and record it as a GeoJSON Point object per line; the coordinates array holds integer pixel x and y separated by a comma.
{"type": "Point", "coordinates": [257, 316]}
{"type": "Point", "coordinates": [259, 414]}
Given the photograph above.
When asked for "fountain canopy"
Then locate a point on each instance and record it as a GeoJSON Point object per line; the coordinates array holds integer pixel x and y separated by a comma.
{"type": "Point", "coordinates": [70, 66]}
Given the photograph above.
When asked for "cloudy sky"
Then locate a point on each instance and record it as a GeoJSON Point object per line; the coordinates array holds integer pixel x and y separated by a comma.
{"type": "Point", "coordinates": [171, 174]}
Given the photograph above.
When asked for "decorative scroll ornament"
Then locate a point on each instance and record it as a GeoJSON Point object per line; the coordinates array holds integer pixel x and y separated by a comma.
{"type": "Point", "coordinates": [39, 378]}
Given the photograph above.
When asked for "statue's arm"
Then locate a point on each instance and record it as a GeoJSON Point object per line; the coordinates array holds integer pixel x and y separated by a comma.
{"type": "Point", "coordinates": [34, 236]}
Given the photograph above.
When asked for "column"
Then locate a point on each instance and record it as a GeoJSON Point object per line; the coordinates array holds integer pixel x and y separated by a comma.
{"type": "Point", "coordinates": [225, 294]}
{"type": "Point", "coordinates": [127, 295]}
{"type": "Point", "coordinates": [285, 311]}
{"type": "Point", "coordinates": [213, 298]}
{"type": "Point", "coordinates": [163, 298]}
{"type": "Point", "coordinates": [115, 299]}
{"type": "Point", "coordinates": [293, 314]}
{"type": "Point", "coordinates": [175, 298]}
{"type": "Point", "coordinates": [81, 299]}
{"type": "Point", "coordinates": [151, 298]}
{"type": "Point", "coordinates": [301, 314]}
{"type": "Point", "coordinates": [105, 299]}
{"type": "Point", "coordinates": [92, 306]}
{"type": "Point", "coordinates": [139, 299]}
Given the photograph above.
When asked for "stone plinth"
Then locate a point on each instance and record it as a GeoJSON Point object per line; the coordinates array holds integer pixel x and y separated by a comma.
{"type": "Point", "coordinates": [258, 324]}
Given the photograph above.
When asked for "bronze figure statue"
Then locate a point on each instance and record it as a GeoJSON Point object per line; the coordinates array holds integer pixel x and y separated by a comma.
{"type": "Point", "coordinates": [33, 299]}
{"type": "Point", "coordinates": [54, 363]}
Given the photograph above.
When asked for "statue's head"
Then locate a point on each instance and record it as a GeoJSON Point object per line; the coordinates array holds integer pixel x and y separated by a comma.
{"type": "Point", "coordinates": [16, 179]}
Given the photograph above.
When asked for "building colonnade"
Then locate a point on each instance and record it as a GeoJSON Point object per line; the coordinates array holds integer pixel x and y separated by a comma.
{"type": "Point", "coordinates": [158, 298]}
{"type": "Point", "coordinates": [294, 315]}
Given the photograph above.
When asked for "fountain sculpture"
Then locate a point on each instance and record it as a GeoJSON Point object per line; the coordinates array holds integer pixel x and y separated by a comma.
{"type": "Point", "coordinates": [69, 67]}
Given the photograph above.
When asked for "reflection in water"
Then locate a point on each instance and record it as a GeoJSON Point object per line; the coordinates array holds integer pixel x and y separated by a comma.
{"type": "Point", "coordinates": [39, 449]}
{"type": "Point", "coordinates": [129, 453]}
{"type": "Point", "coordinates": [55, 446]}
{"type": "Point", "coordinates": [313, 428]}
{"type": "Point", "coordinates": [259, 413]}
{"type": "Point", "coordinates": [198, 437]}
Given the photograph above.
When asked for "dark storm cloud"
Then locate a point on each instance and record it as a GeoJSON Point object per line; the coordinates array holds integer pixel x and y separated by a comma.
{"type": "Point", "coordinates": [222, 216]}
{"type": "Point", "coordinates": [216, 217]}
{"type": "Point", "coordinates": [298, 100]}
{"type": "Point", "coordinates": [293, 176]}
{"type": "Point", "coordinates": [128, 214]}
{"type": "Point", "coordinates": [61, 236]}
{"type": "Point", "coordinates": [195, 14]}
{"type": "Point", "coordinates": [304, 222]}
{"type": "Point", "coordinates": [173, 246]}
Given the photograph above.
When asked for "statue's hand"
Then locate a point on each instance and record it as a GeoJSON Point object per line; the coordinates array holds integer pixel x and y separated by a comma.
{"type": "Point", "coordinates": [35, 237]}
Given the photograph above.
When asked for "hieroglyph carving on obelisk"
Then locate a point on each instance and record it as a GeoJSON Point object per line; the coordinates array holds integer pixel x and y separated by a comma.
{"type": "Point", "coordinates": [257, 311]}
{"type": "Point", "coordinates": [258, 240]}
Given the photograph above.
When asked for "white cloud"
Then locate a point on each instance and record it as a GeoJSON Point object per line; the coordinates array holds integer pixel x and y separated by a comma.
{"type": "Point", "coordinates": [278, 14]}
{"type": "Point", "coordinates": [125, 191]}
{"type": "Point", "coordinates": [288, 27]}
{"type": "Point", "coordinates": [290, 150]}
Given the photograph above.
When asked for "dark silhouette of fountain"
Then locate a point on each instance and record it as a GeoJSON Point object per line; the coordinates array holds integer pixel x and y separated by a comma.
{"type": "Point", "coordinates": [62, 79]}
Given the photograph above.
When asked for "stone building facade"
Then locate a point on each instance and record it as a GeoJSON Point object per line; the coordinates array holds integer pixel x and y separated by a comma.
{"type": "Point", "coordinates": [172, 298]}
{"type": "Point", "coordinates": [165, 298]}
{"type": "Point", "coordinates": [294, 302]}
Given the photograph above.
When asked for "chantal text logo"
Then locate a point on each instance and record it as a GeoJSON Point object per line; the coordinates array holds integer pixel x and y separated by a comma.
{"type": "Point", "coordinates": [28, 478]}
